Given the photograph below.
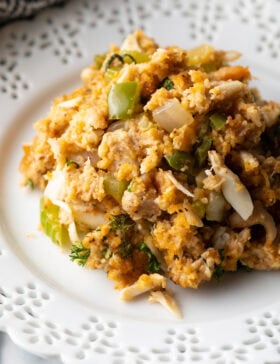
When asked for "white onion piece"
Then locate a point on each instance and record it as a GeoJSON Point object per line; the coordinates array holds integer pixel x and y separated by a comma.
{"type": "Point", "coordinates": [178, 185]}
{"type": "Point", "coordinates": [230, 56]}
{"type": "Point", "coordinates": [55, 193]}
{"type": "Point", "coordinates": [120, 124]}
{"type": "Point", "coordinates": [172, 115]}
{"type": "Point", "coordinates": [215, 209]}
{"type": "Point", "coordinates": [259, 217]}
{"type": "Point", "coordinates": [70, 103]}
{"type": "Point", "coordinates": [90, 219]}
{"type": "Point", "coordinates": [56, 186]}
{"type": "Point", "coordinates": [233, 189]}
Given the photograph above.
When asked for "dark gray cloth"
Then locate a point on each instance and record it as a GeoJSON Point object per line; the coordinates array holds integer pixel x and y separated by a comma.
{"type": "Point", "coordinates": [14, 9]}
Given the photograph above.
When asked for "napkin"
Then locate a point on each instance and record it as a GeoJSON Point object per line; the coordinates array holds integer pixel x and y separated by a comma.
{"type": "Point", "coordinates": [14, 9]}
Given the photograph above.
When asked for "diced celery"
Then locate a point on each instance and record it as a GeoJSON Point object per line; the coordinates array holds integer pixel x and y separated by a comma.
{"type": "Point", "coordinates": [201, 152]}
{"type": "Point", "coordinates": [217, 121]}
{"type": "Point", "coordinates": [200, 55]}
{"type": "Point", "coordinates": [199, 208]}
{"type": "Point", "coordinates": [115, 188]}
{"type": "Point", "coordinates": [99, 59]}
{"type": "Point", "coordinates": [49, 218]}
{"type": "Point", "coordinates": [122, 99]}
{"type": "Point", "coordinates": [180, 161]}
{"type": "Point", "coordinates": [135, 56]}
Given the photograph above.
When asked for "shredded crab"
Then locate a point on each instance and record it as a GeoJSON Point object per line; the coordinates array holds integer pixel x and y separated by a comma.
{"type": "Point", "coordinates": [145, 283]}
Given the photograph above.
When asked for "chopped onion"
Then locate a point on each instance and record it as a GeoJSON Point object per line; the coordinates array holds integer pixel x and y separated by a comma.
{"type": "Point", "coordinates": [215, 209]}
{"type": "Point", "coordinates": [90, 219]}
{"type": "Point", "coordinates": [55, 193]}
{"type": "Point", "coordinates": [120, 124]}
{"type": "Point", "coordinates": [70, 103]}
{"type": "Point", "coordinates": [178, 185]}
{"type": "Point", "coordinates": [172, 115]}
{"type": "Point", "coordinates": [233, 189]}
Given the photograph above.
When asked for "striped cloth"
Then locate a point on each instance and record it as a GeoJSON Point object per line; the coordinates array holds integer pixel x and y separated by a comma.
{"type": "Point", "coordinates": [13, 9]}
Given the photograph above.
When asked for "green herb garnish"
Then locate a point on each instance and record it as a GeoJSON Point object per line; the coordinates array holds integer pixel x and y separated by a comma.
{"type": "Point", "coordinates": [106, 252]}
{"type": "Point", "coordinates": [125, 250]}
{"type": "Point", "coordinates": [30, 183]}
{"type": "Point", "coordinates": [72, 163]}
{"type": "Point", "coordinates": [168, 84]}
{"type": "Point", "coordinates": [153, 265]}
{"type": "Point", "coordinates": [112, 59]}
{"type": "Point", "coordinates": [79, 253]}
{"type": "Point", "coordinates": [219, 271]}
{"type": "Point", "coordinates": [121, 222]}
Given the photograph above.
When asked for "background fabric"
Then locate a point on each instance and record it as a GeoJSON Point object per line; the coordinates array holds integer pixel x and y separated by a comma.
{"type": "Point", "coordinates": [10, 10]}
{"type": "Point", "coordinates": [14, 9]}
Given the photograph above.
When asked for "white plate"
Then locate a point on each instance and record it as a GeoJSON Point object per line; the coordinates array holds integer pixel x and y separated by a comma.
{"type": "Point", "coordinates": [49, 305]}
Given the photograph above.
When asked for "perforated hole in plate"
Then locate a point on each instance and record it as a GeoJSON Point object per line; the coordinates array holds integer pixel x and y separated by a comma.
{"type": "Point", "coordinates": [71, 341]}
{"type": "Point", "coordinates": [50, 325]}
{"type": "Point", "coordinates": [19, 290]}
{"type": "Point", "coordinates": [19, 301]}
{"type": "Point", "coordinates": [252, 340]}
{"type": "Point", "coordinates": [100, 350]}
{"type": "Point", "coordinates": [80, 355]}
{"type": "Point", "coordinates": [118, 353]}
{"type": "Point", "coordinates": [268, 332]}
{"type": "Point", "coordinates": [19, 315]}
{"type": "Point", "coordinates": [55, 335]}
{"type": "Point", "coordinates": [48, 339]}
{"type": "Point", "coordinates": [164, 359]}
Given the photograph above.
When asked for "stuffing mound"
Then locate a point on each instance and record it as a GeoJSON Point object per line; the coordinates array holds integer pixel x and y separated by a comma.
{"type": "Point", "coordinates": [164, 164]}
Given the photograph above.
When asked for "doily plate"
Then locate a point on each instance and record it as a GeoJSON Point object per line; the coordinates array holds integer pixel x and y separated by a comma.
{"type": "Point", "coordinates": [50, 306]}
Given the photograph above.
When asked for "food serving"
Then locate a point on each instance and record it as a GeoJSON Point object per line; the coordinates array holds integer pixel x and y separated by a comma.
{"type": "Point", "coordinates": [164, 164]}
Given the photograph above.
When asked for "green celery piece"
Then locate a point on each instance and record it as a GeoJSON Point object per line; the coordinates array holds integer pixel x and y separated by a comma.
{"type": "Point", "coordinates": [49, 218]}
{"type": "Point", "coordinates": [180, 159]}
{"type": "Point", "coordinates": [99, 59]}
{"type": "Point", "coordinates": [217, 121]}
{"type": "Point", "coordinates": [199, 208]}
{"type": "Point", "coordinates": [122, 100]}
{"type": "Point", "coordinates": [138, 57]}
{"type": "Point", "coordinates": [201, 152]}
{"type": "Point", "coordinates": [115, 188]}
{"type": "Point", "coordinates": [112, 72]}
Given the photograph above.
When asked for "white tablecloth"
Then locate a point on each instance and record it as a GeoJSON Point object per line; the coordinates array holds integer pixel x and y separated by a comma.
{"type": "Point", "coordinates": [11, 354]}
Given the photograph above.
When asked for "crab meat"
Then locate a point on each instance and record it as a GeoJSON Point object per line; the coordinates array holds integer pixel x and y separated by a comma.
{"type": "Point", "coordinates": [143, 284]}
{"type": "Point", "coordinates": [167, 301]}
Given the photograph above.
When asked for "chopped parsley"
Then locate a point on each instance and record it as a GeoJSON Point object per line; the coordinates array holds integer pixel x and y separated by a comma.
{"type": "Point", "coordinates": [168, 84]}
{"type": "Point", "coordinates": [106, 252]}
{"type": "Point", "coordinates": [153, 264]}
{"type": "Point", "coordinates": [112, 59]}
{"type": "Point", "coordinates": [125, 250]}
{"type": "Point", "coordinates": [79, 253]}
{"type": "Point", "coordinates": [121, 222]}
{"type": "Point", "coordinates": [30, 183]}
{"type": "Point", "coordinates": [72, 163]}
{"type": "Point", "coordinates": [219, 271]}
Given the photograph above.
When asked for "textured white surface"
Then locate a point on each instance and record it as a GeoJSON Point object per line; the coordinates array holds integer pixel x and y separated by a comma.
{"type": "Point", "coordinates": [12, 354]}
{"type": "Point", "coordinates": [52, 307]}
